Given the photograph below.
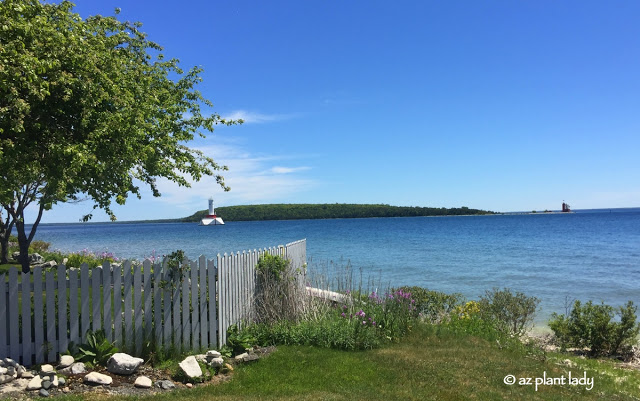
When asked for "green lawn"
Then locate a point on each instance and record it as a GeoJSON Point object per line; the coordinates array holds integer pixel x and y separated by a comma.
{"type": "Point", "coordinates": [427, 366]}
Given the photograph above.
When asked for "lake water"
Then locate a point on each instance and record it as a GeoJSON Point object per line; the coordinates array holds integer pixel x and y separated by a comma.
{"type": "Point", "coordinates": [585, 255]}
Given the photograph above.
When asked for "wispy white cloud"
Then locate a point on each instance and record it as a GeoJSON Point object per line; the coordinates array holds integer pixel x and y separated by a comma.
{"type": "Point", "coordinates": [252, 117]}
{"type": "Point", "coordinates": [253, 178]}
{"type": "Point", "coordinates": [288, 170]}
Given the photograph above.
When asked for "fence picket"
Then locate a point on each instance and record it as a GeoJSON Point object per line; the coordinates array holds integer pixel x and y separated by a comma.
{"type": "Point", "coordinates": [211, 273]}
{"type": "Point", "coordinates": [128, 323]}
{"type": "Point", "coordinates": [137, 306]}
{"type": "Point", "coordinates": [38, 315]}
{"type": "Point", "coordinates": [74, 317]}
{"type": "Point", "coordinates": [117, 304]}
{"type": "Point", "coordinates": [202, 269]}
{"type": "Point", "coordinates": [157, 302]}
{"type": "Point", "coordinates": [13, 314]}
{"type": "Point", "coordinates": [195, 323]}
{"type": "Point", "coordinates": [26, 319]}
{"type": "Point", "coordinates": [146, 265]}
{"type": "Point", "coordinates": [95, 298]}
{"type": "Point", "coordinates": [84, 301]}
{"type": "Point", "coordinates": [177, 326]}
{"type": "Point", "coordinates": [167, 307]}
{"type": "Point", "coordinates": [4, 296]}
{"type": "Point", "coordinates": [186, 326]}
{"type": "Point", "coordinates": [63, 340]}
{"type": "Point", "coordinates": [222, 270]}
{"type": "Point", "coordinates": [51, 343]}
{"type": "Point", "coordinates": [106, 300]}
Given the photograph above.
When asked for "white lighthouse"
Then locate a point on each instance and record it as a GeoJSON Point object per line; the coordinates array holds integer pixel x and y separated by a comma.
{"type": "Point", "coordinates": [211, 218]}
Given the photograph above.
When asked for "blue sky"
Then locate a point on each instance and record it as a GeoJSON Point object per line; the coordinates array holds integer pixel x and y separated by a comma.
{"type": "Point", "coordinates": [499, 105]}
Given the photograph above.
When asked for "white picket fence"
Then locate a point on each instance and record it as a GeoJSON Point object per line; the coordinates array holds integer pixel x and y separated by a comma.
{"type": "Point", "coordinates": [133, 303]}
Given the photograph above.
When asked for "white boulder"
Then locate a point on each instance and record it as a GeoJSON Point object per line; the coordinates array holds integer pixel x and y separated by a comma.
{"type": "Point", "coordinates": [142, 382]}
{"type": "Point", "coordinates": [98, 378]}
{"type": "Point", "coordinates": [190, 367]}
{"type": "Point", "coordinates": [123, 364]}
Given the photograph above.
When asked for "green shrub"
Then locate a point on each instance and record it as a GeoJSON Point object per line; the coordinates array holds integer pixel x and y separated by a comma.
{"type": "Point", "coordinates": [39, 246]}
{"type": "Point", "coordinates": [96, 351]}
{"type": "Point", "coordinates": [433, 306]}
{"type": "Point", "coordinates": [591, 326]}
{"type": "Point", "coordinates": [280, 294]}
{"type": "Point", "coordinates": [511, 313]}
{"type": "Point", "coordinates": [272, 266]}
{"type": "Point", "coordinates": [240, 341]}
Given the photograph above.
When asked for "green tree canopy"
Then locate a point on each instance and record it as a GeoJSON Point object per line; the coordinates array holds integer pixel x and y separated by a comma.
{"type": "Point", "coordinates": [91, 108]}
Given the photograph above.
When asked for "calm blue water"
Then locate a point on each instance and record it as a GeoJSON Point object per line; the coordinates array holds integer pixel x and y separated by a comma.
{"type": "Point", "coordinates": [586, 255]}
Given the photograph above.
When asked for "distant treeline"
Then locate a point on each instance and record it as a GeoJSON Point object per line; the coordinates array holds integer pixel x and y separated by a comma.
{"type": "Point", "coordinates": [327, 211]}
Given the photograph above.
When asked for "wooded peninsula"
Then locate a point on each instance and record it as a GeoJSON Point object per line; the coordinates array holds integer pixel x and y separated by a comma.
{"type": "Point", "coordinates": [327, 211]}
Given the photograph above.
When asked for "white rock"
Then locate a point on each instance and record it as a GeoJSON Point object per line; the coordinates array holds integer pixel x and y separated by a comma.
{"type": "Point", "coordinates": [66, 360]}
{"type": "Point", "coordinates": [98, 378]}
{"type": "Point", "coordinates": [216, 362]}
{"type": "Point", "coordinates": [142, 382]}
{"type": "Point", "coordinates": [6, 378]}
{"type": "Point", "coordinates": [46, 369]}
{"type": "Point", "coordinates": [190, 367]}
{"type": "Point", "coordinates": [201, 358]}
{"type": "Point", "coordinates": [55, 382]}
{"type": "Point", "coordinates": [241, 356]}
{"type": "Point", "coordinates": [123, 364]}
{"type": "Point", "coordinates": [77, 368]}
{"type": "Point", "coordinates": [9, 362]}
{"type": "Point", "coordinates": [35, 383]}
{"type": "Point", "coordinates": [213, 354]}
{"type": "Point", "coordinates": [3, 371]}
{"type": "Point", "coordinates": [27, 374]}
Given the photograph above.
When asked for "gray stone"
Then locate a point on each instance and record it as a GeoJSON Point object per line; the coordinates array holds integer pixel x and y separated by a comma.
{"type": "Point", "coordinates": [77, 368]}
{"type": "Point", "coordinates": [35, 383]}
{"type": "Point", "coordinates": [43, 393]}
{"type": "Point", "coordinates": [46, 384]}
{"type": "Point", "coordinates": [166, 384]}
{"type": "Point", "coordinates": [98, 378]}
{"type": "Point", "coordinates": [35, 259]}
{"type": "Point", "coordinates": [3, 371]}
{"type": "Point", "coordinates": [123, 364]}
{"type": "Point", "coordinates": [216, 362]}
{"type": "Point", "coordinates": [190, 367]}
{"type": "Point", "coordinates": [213, 354]}
{"type": "Point", "coordinates": [61, 381]}
{"type": "Point", "coordinates": [65, 260]}
{"type": "Point", "coordinates": [11, 371]}
{"type": "Point", "coordinates": [46, 369]}
{"type": "Point", "coordinates": [27, 374]}
{"type": "Point", "coordinates": [6, 378]}
{"type": "Point", "coordinates": [9, 362]}
{"type": "Point", "coordinates": [250, 358]}
{"type": "Point", "coordinates": [142, 382]}
{"type": "Point", "coordinates": [66, 360]}
{"type": "Point", "coordinates": [20, 370]}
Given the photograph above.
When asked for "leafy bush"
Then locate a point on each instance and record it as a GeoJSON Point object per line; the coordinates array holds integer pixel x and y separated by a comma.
{"type": "Point", "coordinates": [591, 326]}
{"type": "Point", "coordinates": [240, 341]}
{"type": "Point", "coordinates": [96, 351]}
{"type": "Point", "coordinates": [433, 306]}
{"type": "Point", "coordinates": [76, 259]}
{"type": "Point", "coordinates": [280, 294]}
{"type": "Point", "coordinates": [511, 313]}
{"type": "Point", "coordinates": [272, 266]}
{"type": "Point", "coordinates": [39, 246]}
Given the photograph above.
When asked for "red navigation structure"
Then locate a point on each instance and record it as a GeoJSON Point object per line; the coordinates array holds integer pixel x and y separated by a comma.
{"type": "Point", "coordinates": [565, 207]}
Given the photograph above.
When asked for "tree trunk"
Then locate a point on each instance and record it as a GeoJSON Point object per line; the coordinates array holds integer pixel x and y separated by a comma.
{"type": "Point", "coordinates": [23, 244]}
{"type": "Point", "coordinates": [4, 245]}
{"type": "Point", "coordinates": [6, 226]}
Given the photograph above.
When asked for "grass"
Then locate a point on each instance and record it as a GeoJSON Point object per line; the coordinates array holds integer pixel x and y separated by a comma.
{"type": "Point", "coordinates": [430, 364]}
